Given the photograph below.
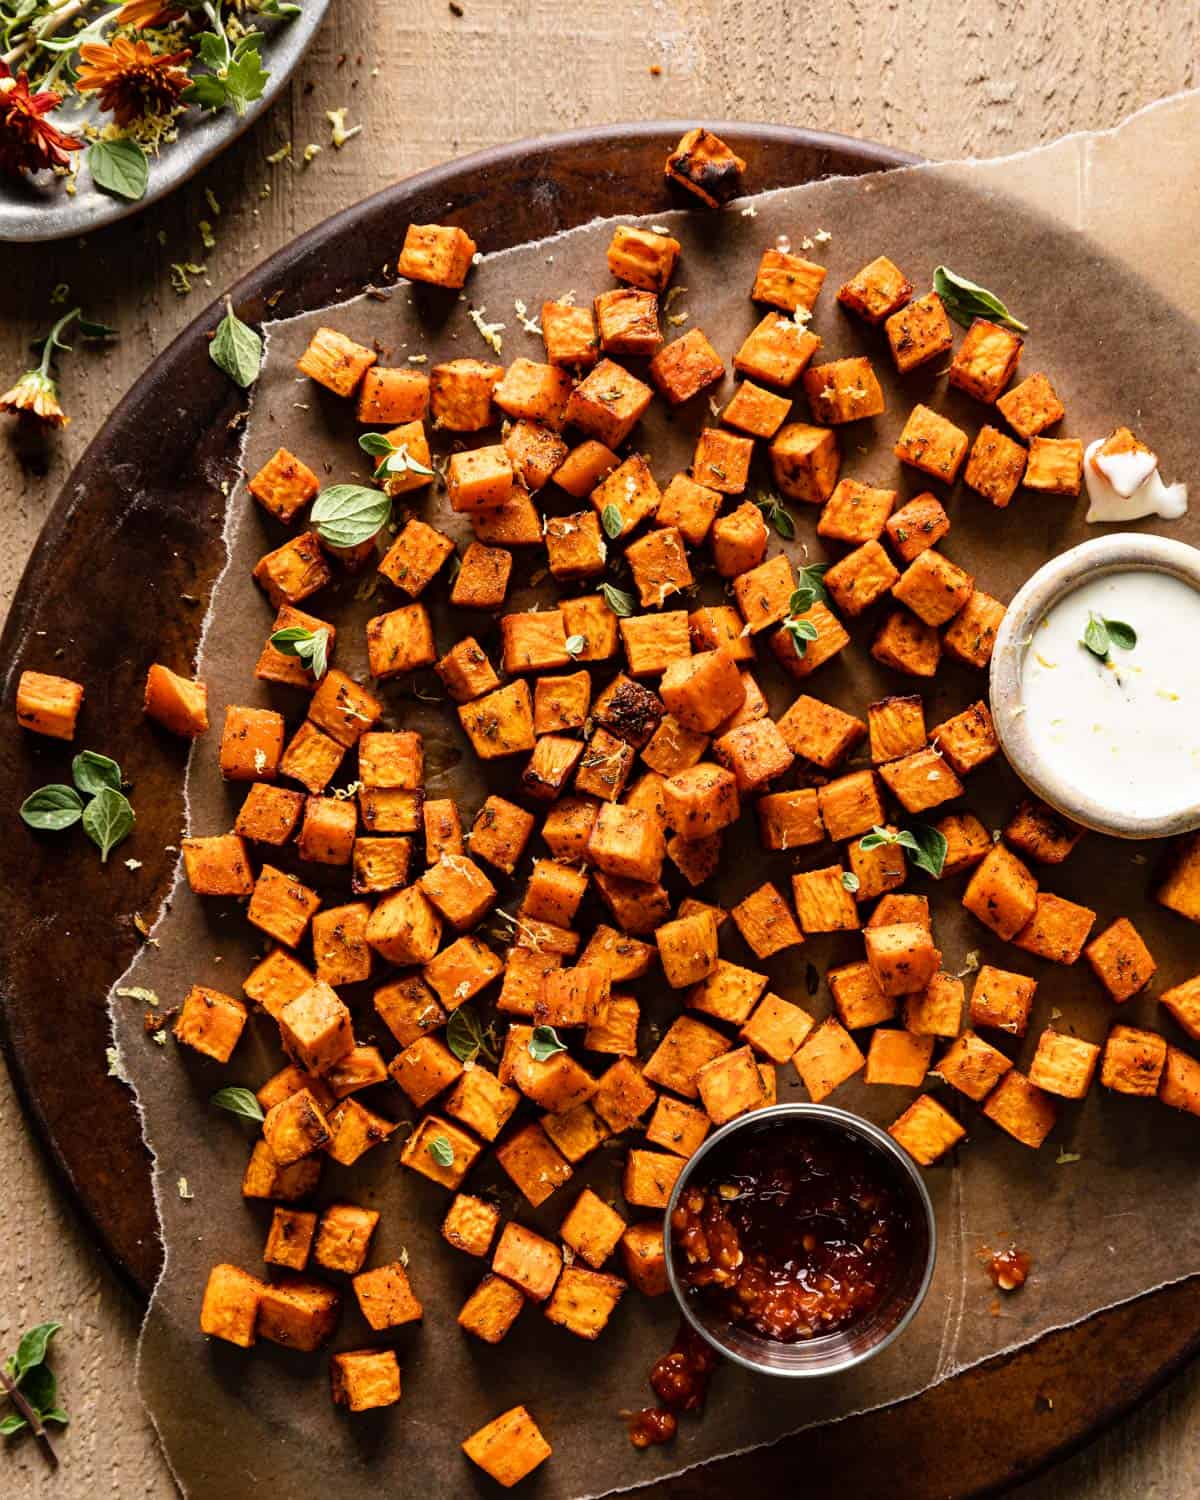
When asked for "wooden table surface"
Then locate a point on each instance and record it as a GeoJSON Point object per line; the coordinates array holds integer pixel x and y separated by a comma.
{"type": "Point", "coordinates": [942, 77]}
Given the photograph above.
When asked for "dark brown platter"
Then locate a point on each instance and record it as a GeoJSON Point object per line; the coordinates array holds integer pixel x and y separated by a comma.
{"type": "Point", "coordinates": [118, 580]}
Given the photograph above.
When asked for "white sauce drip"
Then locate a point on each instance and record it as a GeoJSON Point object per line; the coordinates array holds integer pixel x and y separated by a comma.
{"type": "Point", "coordinates": [1125, 733]}
{"type": "Point", "coordinates": [1126, 486]}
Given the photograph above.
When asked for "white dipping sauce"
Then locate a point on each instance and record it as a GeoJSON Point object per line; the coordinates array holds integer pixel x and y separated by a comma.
{"type": "Point", "coordinates": [1128, 486]}
{"type": "Point", "coordinates": [1126, 732]}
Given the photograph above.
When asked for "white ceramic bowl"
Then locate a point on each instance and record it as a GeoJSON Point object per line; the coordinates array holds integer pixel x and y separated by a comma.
{"type": "Point", "coordinates": [1118, 552]}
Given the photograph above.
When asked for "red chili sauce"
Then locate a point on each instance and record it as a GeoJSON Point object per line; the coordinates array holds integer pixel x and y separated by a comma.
{"type": "Point", "coordinates": [796, 1233]}
{"type": "Point", "coordinates": [1010, 1268]}
{"type": "Point", "coordinates": [680, 1381]}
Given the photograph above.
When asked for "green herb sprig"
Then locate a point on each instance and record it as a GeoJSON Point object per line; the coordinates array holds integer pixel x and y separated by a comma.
{"type": "Point", "coordinates": [544, 1043]}
{"type": "Point", "coordinates": [107, 817]}
{"type": "Point", "coordinates": [776, 514]}
{"type": "Point", "coordinates": [346, 515]}
{"type": "Point", "coordinates": [618, 600]}
{"type": "Point", "coordinates": [237, 77]}
{"type": "Point", "coordinates": [467, 1037]}
{"type": "Point", "coordinates": [1102, 635]}
{"type": "Point", "coordinates": [236, 349]}
{"type": "Point", "coordinates": [309, 646]}
{"type": "Point", "coordinates": [966, 300]}
{"type": "Point", "coordinates": [442, 1151]}
{"type": "Point", "coordinates": [613, 521]}
{"type": "Point", "coordinates": [394, 458]}
{"type": "Point", "coordinates": [926, 845]}
{"type": "Point", "coordinates": [29, 1384]}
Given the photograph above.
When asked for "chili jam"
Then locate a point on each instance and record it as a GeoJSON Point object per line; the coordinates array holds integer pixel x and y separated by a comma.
{"type": "Point", "coordinates": [796, 1233]}
{"type": "Point", "coordinates": [680, 1381]}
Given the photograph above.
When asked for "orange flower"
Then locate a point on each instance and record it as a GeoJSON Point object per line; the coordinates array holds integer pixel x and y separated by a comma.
{"type": "Point", "coordinates": [131, 79]}
{"type": "Point", "coordinates": [28, 141]}
{"type": "Point", "coordinates": [143, 13]}
{"type": "Point", "coordinates": [36, 394]}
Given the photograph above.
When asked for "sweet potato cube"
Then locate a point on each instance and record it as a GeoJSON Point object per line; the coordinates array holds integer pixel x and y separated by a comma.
{"type": "Point", "coordinates": [340, 948]}
{"type": "Point", "coordinates": [424, 1069]}
{"type": "Point", "coordinates": [819, 732]}
{"type": "Point", "coordinates": [274, 981]}
{"type": "Point", "coordinates": [361, 1067]}
{"type": "Point", "coordinates": [688, 507]}
{"type": "Point", "coordinates": [917, 525]}
{"type": "Point", "coordinates": [608, 403]}
{"type": "Point", "coordinates": [491, 1309]}
{"type": "Point", "coordinates": [967, 841]}
{"type": "Point", "coordinates": [933, 587]}
{"type": "Point", "coordinates": [766, 923]}
{"type": "Point", "coordinates": [265, 1178]}
{"type": "Point", "coordinates": [704, 165]}
{"type": "Point", "coordinates": [342, 708]}
{"type": "Point", "coordinates": [1120, 959]}
{"type": "Point", "coordinates": [315, 1028]}
{"type": "Point", "coordinates": [901, 908]}
{"type": "Point", "coordinates": [535, 1165]}
{"type": "Point", "coordinates": [1054, 466]}
{"type": "Point", "coordinates": [211, 1023]}
{"type": "Point", "coordinates": [688, 949]}
{"type": "Point", "coordinates": [460, 394]}
{"type": "Point", "coordinates": [827, 1059]}
{"type": "Point", "coordinates": [280, 905]}
{"type": "Point", "coordinates": [697, 860]}
{"type": "Point", "coordinates": [392, 397]}
{"type": "Point", "coordinates": [919, 332]}
{"type": "Point", "coordinates": [877, 291]}
{"type": "Point", "coordinates": [622, 1096]}
{"type": "Point", "coordinates": [1022, 1109]}
{"type": "Point", "coordinates": [604, 768]}
{"type": "Point", "coordinates": [500, 832]}
{"type": "Point", "coordinates": [899, 1058]}
{"type": "Point", "coordinates": [1182, 1003]}
{"type": "Point", "coordinates": [291, 573]}
{"type": "Point", "coordinates": [344, 1237]}
{"type": "Point", "coordinates": [626, 497]}
{"type": "Point", "coordinates": [355, 1130]}
{"type": "Point", "coordinates": [722, 460]}
{"type": "Point", "coordinates": [643, 1254]}
{"type": "Point", "coordinates": [823, 904]}
{"type": "Point", "coordinates": [730, 1085]}
{"type": "Point", "coordinates": [230, 1307]}
{"type": "Point", "coordinates": [972, 633]}
{"type": "Point", "coordinates": [576, 1132]}
{"type": "Point", "coordinates": [327, 833]}
{"type": "Point", "coordinates": [627, 321]}
{"type": "Point", "coordinates": [739, 541]}
{"type": "Point", "coordinates": [1002, 999]}
{"type": "Point", "coordinates": [622, 957]}
{"type": "Point", "coordinates": [684, 1049]}
{"type": "Point", "coordinates": [897, 727]}
{"type": "Point", "coordinates": [855, 513]}
{"type": "Point", "coordinates": [931, 443]}
{"type": "Point", "coordinates": [674, 748]}
{"type": "Point", "coordinates": [676, 1126]}
{"type": "Point", "coordinates": [400, 641]}
{"type": "Point", "coordinates": [617, 1031]}
{"type": "Point", "coordinates": [805, 462]}
{"type": "Point", "coordinates": [409, 1009]}
{"type": "Point", "coordinates": [763, 593]}
{"type": "Point", "coordinates": [535, 451]}
{"type": "Point", "coordinates": [659, 565]}
{"type": "Point", "coordinates": [650, 1177]}
{"type": "Point", "coordinates": [1179, 1083]}
{"type": "Point", "coordinates": [175, 702]}
{"type": "Point", "coordinates": [569, 334]}
{"type": "Point", "coordinates": [500, 723]}
{"type": "Point", "coordinates": [847, 390]}
{"type": "Point", "coordinates": [550, 766]}
{"type": "Point", "coordinates": [572, 997]}
{"type": "Point", "coordinates": [466, 671]}
{"type": "Point", "coordinates": [568, 826]}
{"type": "Point", "coordinates": [851, 805]}
{"type": "Point", "coordinates": [440, 254]}
{"type": "Point", "coordinates": [968, 739]}
{"type": "Point", "coordinates": [1002, 892]}
{"type": "Point", "coordinates": [684, 367]}
{"type": "Point", "coordinates": [365, 1379]}
{"type": "Point", "coordinates": [701, 800]}
{"type": "Point", "coordinates": [937, 1009]}
{"type": "Point", "coordinates": [516, 523]}
{"type": "Point", "coordinates": [574, 545]}
{"type": "Point", "coordinates": [311, 757]}
{"type": "Point", "coordinates": [1057, 930]}
{"type": "Point", "coordinates": [995, 467]}
{"type": "Point", "coordinates": [972, 1066]}
{"type": "Point", "coordinates": [405, 927]}
{"type": "Point", "coordinates": [289, 1239]}
{"type": "Point", "coordinates": [533, 392]}
{"type": "Point", "coordinates": [921, 781]}
{"type": "Point", "coordinates": [481, 1101]}
{"type": "Point", "coordinates": [427, 1147]}
{"type": "Point", "coordinates": [626, 841]}
{"type": "Point", "coordinates": [298, 1313]}
{"type": "Point", "coordinates": [876, 870]}
{"type": "Point", "coordinates": [390, 809]}
{"type": "Point", "coordinates": [1032, 406]}
{"type": "Point", "coordinates": [777, 1029]}
{"type": "Point", "coordinates": [509, 1448]}
{"type": "Point", "coordinates": [860, 578]}
{"type": "Point", "coordinates": [592, 1229]}
{"type": "Point", "coordinates": [218, 865]}
{"type": "Point", "coordinates": [386, 1298]}
{"type": "Point", "coordinates": [415, 557]}
{"type": "Point", "coordinates": [858, 996]}
{"type": "Point", "coordinates": [1179, 891]}
{"type": "Point", "coordinates": [642, 257]}
{"type": "Point", "coordinates": [459, 890]}
{"type": "Point", "coordinates": [284, 484]}
{"type": "Point", "coordinates": [832, 637]}
{"type": "Point", "coordinates": [756, 753]}
{"type": "Point", "coordinates": [926, 1130]}
{"type": "Point", "coordinates": [561, 704]}
{"type": "Point", "coordinates": [776, 351]}
{"type": "Point", "coordinates": [1063, 1065]}
{"type": "Point", "coordinates": [335, 361]}
{"type": "Point", "coordinates": [1133, 1061]}
{"type": "Point", "coordinates": [756, 411]}
{"type": "Point", "coordinates": [273, 666]}
{"type": "Point", "coordinates": [787, 281]}
{"type": "Point", "coordinates": [986, 360]}
{"type": "Point", "coordinates": [479, 478]}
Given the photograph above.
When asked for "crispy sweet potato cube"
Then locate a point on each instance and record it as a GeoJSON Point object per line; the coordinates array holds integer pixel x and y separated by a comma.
{"type": "Point", "coordinates": [739, 540]}
{"type": "Point", "coordinates": [877, 870]}
{"type": "Point", "coordinates": [1179, 890]}
{"type": "Point", "coordinates": [340, 948]}
{"type": "Point", "coordinates": [386, 1298]}
{"type": "Point", "coordinates": [819, 732]}
{"type": "Point", "coordinates": [315, 1028]}
{"type": "Point", "coordinates": [900, 1058]}
{"type": "Point", "coordinates": [265, 1178]}
{"type": "Point", "coordinates": [1120, 959]}
{"type": "Point", "coordinates": [704, 165]}
{"type": "Point", "coordinates": [281, 906]}
{"type": "Point", "coordinates": [509, 1448]}
{"type": "Point", "coordinates": [592, 1229]}
{"type": "Point", "coordinates": [500, 832]}
{"type": "Point", "coordinates": [1133, 1061]}
{"type": "Point", "coordinates": [897, 726]}
{"type": "Point", "coordinates": [858, 997]}
{"type": "Point", "coordinates": [572, 997]}
{"type": "Point", "coordinates": [926, 1130]}
{"type": "Point", "coordinates": [516, 523]}
{"type": "Point", "coordinates": [616, 1032]}
{"type": "Point", "coordinates": [470, 1224]}
{"type": "Point", "coordinates": [701, 800]}
{"type": "Point", "coordinates": [576, 1132]}
{"type": "Point", "coordinates": [284, 484]}
{"type": "Point", "coordinates": [535, 451]}
{"type": "Point", "coordinates": [1032, 406]}
{"type": "Point", "coordinates": [932, 443]}
{"type": "Point", "coordinates": [860, 578]}
{"type": "Point", "coordinates": [335, 361]}
{"type": "Point", "coordinates": [851, 805]}
{"type": "Point", "coordinates": [1054, 466]}
{"type": "Point", "coordinates": [356, 1130]}
{"type": "Point", "coordinates": [327, 833]}
{"type": "Point", "coordinates": [381, 864]}
{"type": "Point", "coordinates": [766, 923]}
{"type": "Point", "coordinates": [50, 705]}
{"type": "Point", "coordinates": [986, 360]}
{"type": "Point", "coordinates": [756, 411]}
{"type": "Point", "coordinates": [533, 392]}
{"type": "Point", "coordinates": [933, 587]}
{"type": "Point", "coordinates": [311, 757]}
{"type": "Point", "coordinates": [731, 1085]}
{"type": "Point", "coordinates": [342, 708]}
{"type": "Point", "coordinates": [644, 1257]}
{"type": "Point", "coordinates": [480, 1100]}
{"type": "Point", "coordinates": [919, 332]}
{"type": "Point", "coordinates": [462, 970]}
{"type": "Point", "coordinates": [211, 1023]}
{"type": "Point", "coordinates": [298, 1313]}
{"type": "Point", "coordinates": [676, 1126]}
{"type": "Point", "coordinates": [721, 460]}
{"type": "Point", "coordinates": [805, 461]}
{"type": "Point", "coordinates": [230, 1307]}
{"type": "Point", "coordinates": [390, 809]}
{"type": "Point", "coordinates": [627, 496]}
{"type": "Point", "coordinates": [622, 1096]}
{"type": "Point", "coordinates": [1022, 1109]}
{"type": "Point", "coordinates": [970, 636]}
{"type": "Point", "coordinates": [604, 768]}
{"type": "Point", "coordinates": [365, 1379]}
{"type": "Point", "coordinates": [685, 1047]}
{"type": "Point", "coordinates": [756, 753]}
{"type": "Point", "coordinates": [917, 525]}
{"type": "Point", "coordinates": [1179, 1083]}
{"type": "Point", "coordinates": [626, 841]}
{"type": "Point", "coordinates": [501, 722]}
{"type": "Point", "coordinates": [574, 545]}
{"type": "Point", "coordinates": [460, 394]}
{"type": "Point", "coordinates": [696, 860]}
{"type": "Point", "coordinates": [972, 1066]}
{"type": "Point", "coordinates": [832, 637]}
{"type": "Point", "coordinates": [1002, 892]}
{"type": "Point", "coordinates": [400, 641]}
{"type": "Point", "coordinates": [275, 980]}
{"type": "Point", "coordinates": [1182, 1002]}
{"type": "Point", "coordinates": [608, 403]}
{"type": "Point", "coordinates": [1002, 1000]}
{"type": "Point", "coordinates": [763, 593]}
{"type": "Point", "coordinates": [995, 467]}
{"type": "Point", "coordinates": [1057, 930]}
{"type": "Point", "coordinates": [440, 254]}
{"type": "Point", "coordinates": [685, 367]}
{"type": "Point", "coordinates": [921, 781]}
{"type": "Point", "coordinates": [459, 890]}
{"type": "Point", "coordinates": [847, 390]}
{"type": "Point", "coordinates": [823, 904]}
{"type": "Point", "coordinates": [491, 1309]}
{"type": "Point", "coordinates": [650, 1177]}
{"type": "Point", "coordinates": [659, 565]}
{"type": "Point", "coordinates": [554, 892]}
{"type": "Point", "coordinates": [627, 321]}
{"type": "Point", "coordinates": [776, 351]}
{"type": "Point", "coordinates": [344, 1237]}
{"type": "Point", "coordinates": [622, 957]}
{"type": "Point", "coordinates": [968, 739]}
{"type": "Point", "coordinates": [827, 1059]}
{"type": "Point", "coordinates": [289, 1239]}
{"type": "Point", "coordinates": [642, 257]}
{"type": "Point", "coordinates": [424, 1069]}
{"type": "Point", "coordinates": [787, 281]}
{"type": "Point", "coordinates": [550, 766]}
{"type": "Point", "coordinates": [1063, 1065]}
{"type": "Point", "coordinates": [432, 1132]}
{"type": "Point", "coordinates": [937, 1010]}
{"type": "Point", "coordinates": [466, 671]}
{"type": "Point", "coordinates": [292, 572]}
{"type": "Point", "coordinates": [855, 513]}
{"type": "Point", "coordinates": [877, 291]}
{"type": "Point", "coordinates": [535, 1165]}
{"type": "Point", "coordinates": [218, 865]}
{"type": "Point", "coordinates": [568, 826]}
{"type": "Point", "coordinates": [480, 478]}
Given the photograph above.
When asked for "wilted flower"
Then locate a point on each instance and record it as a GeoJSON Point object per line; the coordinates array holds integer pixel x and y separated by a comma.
{"type": "Point", "coordinates": [132, 79]}
{"type": "Point", "coordinates": [28, 141]}
{"type": "Point", "coordinates": [36, 393]}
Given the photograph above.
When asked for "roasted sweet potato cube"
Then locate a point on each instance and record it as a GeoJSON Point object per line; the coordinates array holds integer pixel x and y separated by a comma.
{"type": "Point", "coordinates": [281, 906]}
{"type": "Point", "coordinates": [508, 1448]}
{"type": "Point", "coordinates": [556, 1084]}
{"type": "Point", "coordinates": [621, 956]}
{"type": "Point", "coordinates": [500, 723]}
{"type": "Point", "coordinates": [1063, 1065]}
{"type": "Point", "coordinates": [819, 732]}
{"type": "Point", "coordinates": [572, 997]}
{"type": "Point", "coordinates": [616, 1031]}
{"type": "Point", "coordinates": [50, 705]}
{"type": "Point", "coordinates": [933, 587]}
{"type": "Point", "coordinates": [701, 800]}
{"type": "Point", "coordinates": [265, 1178]}
{"type": "Point", "coordinates": [968, 739]}
{"type": "Point", "coordinates": [823, 904]}
{"type": "Point", "coordinates": [424, 1069]}
{"type": "Point", "coordinates": [676, 1126]}
{"type": "Point", "coordinates": [298, 1313]}
{"type": "Point", "coordinates": [627, 321]}
{"type": "Point", "coordinates": [274, 666]}
{"type": "Point", "coordinates": [626, 841]}
{"type": "Point", "coordinates": [1133, 1061]}
{"type": "Point", "coordinates": [230, 1307]}
{"type": "Point", "coordinates": [1179, 891]}
{"type": "Point", "coordinates": [386, 1298]}
{"type": "Point", "coordinates": [739, 540]}
{"type": "Point", "coordinates": [344, 1237]}
{"type": "Point", "coordinates": [391, 397]}
{"type": "Point", "coordinates": [756, 753]}
{"type": "Point", "coordinates": [932, 443]}
{"type": "Point", "coordinates": [361, 1067]}
{"type": "Point", "coordinates": [480, 478]}
{"type": "Point", "coordinates": [629, 710]}
{"type": "Point", "coordinates": [1179, 1083]}
{"type": "Point", "coordinates": [535, 451]}
{"type": "Point", "coordinates": [411, 439]}
{"type": "Point", "coordinates": [604, 768]}
{"type": "Point", "coordinates": [459, 889]}
{"type": "Point", "coordinates": [1021, 1109]}
{"type": "Point", "coordinates": [405, 927]}
{"type": "Point", "coordinates": [340, 948]}
{"type": "Point", "coordinates": [765, 921]}
{"type": "Point", "coordinates": [917, 525]}
{"type": "Point", "coordinates": [1032, 406]}
{"type": "Point", "coordinates": [847, 390]}
{"type": "Point", "coordinates": [480, 1100]}
{"type": "Point", "coordinates": [440, 254]}
{"type": "Point", "coordinates": [390, 809]}
{"type": "Point", "coordinates": [697, 860]}
{"type": "Point", "coordinates": [972, 1066]}
{"type": "Point", "coordinates": [294, 571]}
{"type": "Point", "coordinates": [827, 1059]}
{"type": "Point", "coordinates": [440, 1151]}
{"type": "Point", "coordinates": [860, 578]}
{"type": "Point", "coordinates": [311, 757]}
{"type": "Point", "coordinates": [921, 781]}
{"type": "Point", "coordinates": [902, 908]}
{"type": "Point", "coordinates": [704, 165]}
{"type": "Point", "coordinates": [1057, 930]}
{"type": "Point", "coordinates": [764, 593]}
{"type": "Point", "coordinates": [776, 351]}
{"type": "Point", "coordinates": [500, 832]}
{"type": "Point", "coordinates": [972, 633]}
{"type": "Point", "coordinates": [466, 671]}
{"type": "Point", "coordinates": [289, 1239]}
{"type": "Point", "coordinates": [777, 1028]}
{"type": "Point", "coordinates": [1002, 1000]}
{"type": "Point", "coordinates": [1042, 833]}
{"type": "Point", "coordinates": [722, 460]}
{"type": "Point", "coordinates": [900, 1058]}
{"type": "Point", "coordinates": [460, 394]}
{"type": "Point", "coordinates": [756, 411]}
{"type": "Point", "coordinates": [753, 706]}
{"type": "Point", "coordinates": [995, 467]}
{"type": "Point", "coordinates": [414, 558]}
{"type": "Point", "coordinates": [561, 704]}
{"type": "Point", "coordinates": [400, 641]}
{"type": "Point", "coordinates": [533, 392]}
{"type": "Point", "coordinates": [650, 1177]}
{"type": "Point", "coordinates": [315, 1028]}
{"type": "Point", "coordinates": [576, 1132]}
{"type": "Point", "coordinates": [574, 545]}
{"type": "Point", "coordinates": [855, 513]}
{"type": "Point", "coordinates": [516, 523]}
{"type": "Point", "coordinates": [674, 748]}
{"type": "Point", "coordinates": [550, 766]}
{"type": "Point", "coordinates": [877, 291]}
{"type": "Point", "coordinates": [443, 829]}
{"type": "Point", "coordinates": [1182, 1002]}
{"type": "Point", "coordinates": [275, 980]}
{"type": "Point", "coordinates": [897, 726]}
{"type": "Point", "coordinates": [327, 833]}
{"type": "Point", "coordinates": [626, 497]}
{"type": "Point", "coordinates": [851, 805]}
{"type": "Point", "coordinates": [832, 637]}
{"type": "Point", "coordinates": [685, 1047]}
{"type": "Point", "coordinates": [491, 1309]}
{"type": "Point", "coordinates": [877, 870]}
{"type": "Point", "coordinates": [460, 971]}
{"type": "Point", "coordinates": [1120, 959]}
{"type": "Point", "coordinates": [342, 708]}
{"type": "Point", "coordinates": [986, 360]}
{"type": "Point", "coordinates": [218, 865]}
{"type": "Point", "coordinates": [284, 485]}
{"type": "Point", "coordinates": [858, 996]}
{"type": "Point", "coordinates": [608, 403]}
{"type": "Point", "coordinates": [684, 367]}
{"type": "Point", "coordinates": [731, 1085]}
{"type": "Point", "coordinates": [335, 361]}
{"type": "Point", "coordinates": [592, 1229]}
{"type": "Point", "coordinates": [622, 1096]}
{"type": "Point", "coordinates": [926, 1130]}
{"type": "Point", "coordinates": [1002, 892]}
{"type": "Point", "coordinates": [659, 565]}
{"type": "Point", "coordinates": [937, 1010]}
{"type": "Point", "coordinates": [568, 826]}
{"type": "Point", "coordinates": [535, 1165]}
{"type": "Point", "coordinates": [642, 257]}
{"type": "Point", "coordinates": [554, 892]}
{"type": "Point", "coordinates": [409, 1009]}
{"type": "Point", "coordinates": [1054, 466]}
{"type": "Point", "coordinates": [967, 841]}
{"type": "Point", "coordinates": [919, 332]}
{"type": "Point", "coordinates": [688, 949]}
{"type": "Point", "coordinates": [211, 1023]}
{"type": "Point", "coordinates": [365, 1379]}
{"type": "Point", "coordinates": [805, 462]}
{"type": "Point", "coordinates": [787, 281]}
{"type": "Point", "coordinates": [644, 1256]}
{"type": "Point", "coordinates": [569, 334]}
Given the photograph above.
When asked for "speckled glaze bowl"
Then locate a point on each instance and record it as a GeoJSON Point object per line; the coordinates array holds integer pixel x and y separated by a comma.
{"type": "Point", "coordinates": [833, 1353]}
{"type": "Point", "coordinates": [1119, 552]}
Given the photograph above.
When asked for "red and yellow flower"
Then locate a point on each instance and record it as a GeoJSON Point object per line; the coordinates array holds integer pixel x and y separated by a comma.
{"type": "Point", "coordinates": [28, 141]}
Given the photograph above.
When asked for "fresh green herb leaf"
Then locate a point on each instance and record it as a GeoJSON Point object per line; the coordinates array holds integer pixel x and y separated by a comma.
{"type": "Point", "coordinates": [801, 632]}
{"type": "Point", "coordinates": [52, 808]}
{"type": "Point", "coordinates": [282, 8]}
{"type": "Point", "coordinates": [245, 78]}
{"type": "Point", "coordinates": [466, 1037]}
{"type": "Point", "coordinates": [345, 515]}
{"type": "Point", "coordinates": [107, 820]}
{"type": "Point", "coordinates": [801, 601]}
{"type": "Point", "coordinates": [966, 300]}
{"type": "Point", "coordinates": [1095, 637]}
{"type": "Point", "coordinates": [1123, 637]}
{"type": "Point", "coordinates": [394, 457]}
{"type": "Point", "coordinates": [850, 881]}
{"type": "Point", "coordinates": [442, 1151]}
{"type": "Point", "coordinates": [776, 514]}
{"type": "Point", "coordinates": [617, 599]}
{"type": "Point", "coordinates": [238, 1102]}
{"type": "Point", "coordinates": [205, 90]}
{"type": "Point", "coordinates": [612, 520]}
{"type": "Point", "coordinates": [812, 576]}
{"type": "Point", "coordinates": [119, 167]}
{"type": "Point", "coordinates": [12, 1424]}
{"type": "Point", "coordinates": [926, 845]}
{"type": "Point", "coordinates": [575, 644]}
{"type": "Point", "coordinates": [32, 1348]}
{"type": "Point", "coordinates": [375, 443]}
{"type": "Point", "coordinates": [236, 349]}
{"type": "Point", "coordinates": [39, 1388]}
{"type": "Point", "coordinates": [92, 772]}
{"type": "Point", "coordinates": [93, 330]}
{"type": "Point", "coordinates": [544, 1043]}
{"type": "Point", "coordinates": [309, 646]}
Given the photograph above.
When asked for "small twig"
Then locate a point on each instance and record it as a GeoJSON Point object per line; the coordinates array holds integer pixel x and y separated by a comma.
{"type": "Point", "coordinates": [31, 1416]}
{"type": "Point", "coordinates": [65, 11]}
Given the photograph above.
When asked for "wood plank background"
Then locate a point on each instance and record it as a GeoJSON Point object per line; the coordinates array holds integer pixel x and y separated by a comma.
{"type": "Point", "coordinates": [943, 77]}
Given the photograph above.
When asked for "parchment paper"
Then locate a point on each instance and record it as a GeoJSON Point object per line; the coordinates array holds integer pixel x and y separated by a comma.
{"type": "Point", "coordinates": [1073, 237]}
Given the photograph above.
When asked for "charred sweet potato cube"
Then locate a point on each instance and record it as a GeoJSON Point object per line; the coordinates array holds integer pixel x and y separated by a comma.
{"type": "Point", "coordinates": [932, 444]}
{"type": "Point", "coordinates": [608, 403]}
{"type": "Point", "coordinates": [335, 361]}
{"type": "Point", "coordinates": [569, 334]}
{"type": "Point", "coordinates": [284, 484]}
{"type": "Point", "coordinates": [739, 540]}
{"type": "Point", "coordinates": [926, 1130]}
{"type": "Point", "coordinates": [684, 1049]}
{"type": "Point", "coordinates": [516, 523]}
{"type": "Point", "coordinates": [967, 841]}
{"type": "Point", "coordinates": [1179, 1082]}
{"type": "Point", "coordinates": [704, 165]}
{"type": "Point", "coordinates": [627, 322]}
{"type": "Point", "coordinates": [805, 461]}
{"type": "Point", "coordinates": [211, 1023]}
{"type": "Point", "coordinates": [50, 705]}
{"type": "Point", "coordinates": [827, 1059]}
{"type": "Point", "coordinates": [1021, 1109]}
{"type": "Point", "coordinates": [404, 927]}
{"type": "Point", "coordinates": [859, 999]}
{"type": "Point", "coordinates": [535, 1165]}
{"type": "Point", "coordinates": [877, 291]}
{"type": "Point", "coordinates": [275, 980]}
{"type": "Point", "coordinates": [533, 392]}
{"type": "Point", "coordinates": [604, 767]}
{"type": "Point", "coordinates": [1133, 1061]}
{"type": "Point", "coordinates": [1120, 960]}
{"type": "Point", "coordinates": [500, 723]}
{"type": "Point", "coordinates": [509, 1448]}
{"type": "Point", "coordinates": [315, 1028]}
{"type": "Point", "coordinates": [907, 645]}
{"type": "Point", "coordinates": [617, 1031]}
{"type": "Point", "coordinates": [921, 781]}
{"type": "Point", "coordinates": [391, 397]}
{"type": "Point", "coordinates": [847, 390]}
{"type": "Point", "coordinates": [756, 753]}
{"type": "Point", "coordinates": [860, 578]}
{"type": "Point", "coordinates": [1002, 892]}
{"type": "Point", "coordinates": [294, 571]}
{"type": "Point", "coordinates": [460, 394]}
{"type": "Point", "coordinates": [296, 1127]}
{"type": "Point", "coordinates": [968, 739]}
{"type": "Point", "coordinates": [572, 997]}
{"type": "Point", "coordinates": [289, 1239]}
{"type": "Point", "coordinates": [701, 800]}
{"type": "Point", "coordinates": [685, 367]}
{"type": "Point", "coordinates": [659, 564]}
{"type": "Point", "coordinates": [899, 1058]}
{"type": "Point", "coordinates": [855, 513]}
{"type": "Point", "coordinates": [763, 593]}
{"type": "Point", "coordinates": [461, 970]}
{"type": "Point", "coordinates": [787, 281]}
{"type": "Point", "coordinates": [971, 635]}
{"type": "Point", "coordinates": [897, 727]}
{"type": "Point", "coordinates": [756, 411]}
{"type": "Point", "coordinates": [972, 1066]}
{"type": "Point", "coordinates": [628, 710]}
{"type": "Point", "coordinates": [650, 1177]}
{"type": "Point", "coordinates": [1054, 466]}
{"type": "Point", "coordinates": [832, 637]}
{"type": "Point", "coordinates": [721, 460]}
{"type": "Point", "coordinates": [1002, 1000]}
{"type": "Point", "coordinates": [917, 525]}
{"type": "Point", "coordinates": [766, 923]}
{"type": "Point", "coordinates": [1057, 930]}
{"type": "Point", "coordinates": [230, 1307]}
{"type": "Point", "coordinates": [500, 832]}
{"type": "Point", "coordinates": [986, 360]}
{"type": "Point", "coordinates": [688, 949]}
{"type": "Point", "coordinates": [440, 254]}
{"type": "Point", "coordinates": [776, 351]}
{"type": "Point", "coordinates": [642, 257]}
{"type": "Point", "coordinates": [937, 1010]}
{"type": "Point", "coordinates": [535, 452]}
{"type": "Point", "coordinates": [823, 904]}
{"type": "Point", "coordinates": [919, 332]}
{"type": "Point", "coordinates": [414, 558]}
{"type": "Point", "coordinates": [273, 666]}
{"type": "Point", "coordinates": [1063, 1065]}
{"type": "Point", "coordinates": [851, 805]}
{"type": "Point", "coordinates": [731, 1085]}
{"type": "Point", "coordinates": [995, 466]}
{"type": "Point", "coordinates": [340, 949]}
{"type": "Point", "coordinates": [933, 587]}
{"type": "Point", "coordinates": [819, 732]}
{"type": "Point", "coordinates": [877, 870]}
{"type": "Point", "coordinates": [466, 671]}
{"type": "Point", "coordinates": [1030, 407]}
